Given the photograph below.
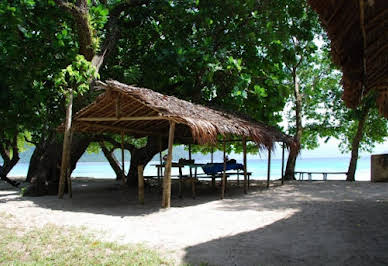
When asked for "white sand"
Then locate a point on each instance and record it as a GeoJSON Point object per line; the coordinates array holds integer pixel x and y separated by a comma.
{"type": "Point", "coordinates": [308, 223]}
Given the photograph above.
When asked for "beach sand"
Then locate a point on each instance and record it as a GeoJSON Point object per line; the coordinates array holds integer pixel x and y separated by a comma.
{"type": "Point", "coordinates": [299, 223]}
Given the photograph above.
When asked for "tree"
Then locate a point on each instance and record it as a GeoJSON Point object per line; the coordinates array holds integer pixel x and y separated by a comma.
{"type": "Point", "coordinates": [358, 129]}
{"type": "Point", "coordinates": [297, 30]}
{"type": "Point", "coordinates": [219, 53]}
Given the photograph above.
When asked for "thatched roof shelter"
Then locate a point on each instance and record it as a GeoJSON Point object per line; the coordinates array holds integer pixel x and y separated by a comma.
{"type": "Point", "coordinates": [358, 30]}
{"type": "Point", "coordinates": [142, 112]}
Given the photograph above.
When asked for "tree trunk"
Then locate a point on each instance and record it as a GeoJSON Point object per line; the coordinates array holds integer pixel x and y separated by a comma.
{"type": "Point", "coordinates": [114, 163]}
{"type": "Point", "coordinates": [294, 150]}
{"type": "Point", "coordinates": [142, 157]}
{"type": "Point", "coordinates": [44, 169]}
{"type": "Point", "coordinates": [355, 145]}
{"type": "Point", "coordinates": [43, 172]}
{"type": "Point", "coordinates": [66, 145]}
{"type": "Point", "coordinates": [9, 161]}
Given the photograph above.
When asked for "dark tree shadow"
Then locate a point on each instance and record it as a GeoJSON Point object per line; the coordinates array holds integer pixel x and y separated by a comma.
{"type": "Point", "coordinates": [331, 233]}
{"type": "Point", "coordinates": [110, 197]}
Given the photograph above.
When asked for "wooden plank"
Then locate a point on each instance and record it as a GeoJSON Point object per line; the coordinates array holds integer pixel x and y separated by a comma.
{"type": "Point", "coordinates": [269, 167]}
{"type": "Point", "coordinates": [283, 163]}
{"type": "Point", "coordinates": [66, 145]}
{"type": "Point", "coordinates": [307, 172]}
{"type": "Point", "coordinates": [117, 128]}
{"type": "Point", "coordinates": [140, 177]}
{"type": "Point", "coordinates": [245, 164]}
{"type": "Point", "coordinates": [134, 118]}
{"type": "Point", "coordinates": [223, 173]}
{"type": "Point", "coordinates": [122, 158]}
{"type": "Point", "coordinates": [166, 200]}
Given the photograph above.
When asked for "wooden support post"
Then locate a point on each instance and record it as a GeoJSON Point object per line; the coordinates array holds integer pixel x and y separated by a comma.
{"type": "Point", "coordinates": [122, 157]}
{"type": "Point", "coordinates": [193, 180]}
{"type": "Point", "coordinates": [269, 167]}
{"type": "Point", "coordinates": [224, 173]}
{"type": "Point", "coordinates": [166, 200]}
{"type": "Point", "coordinates": [245, 164]}
{"type": "Point", "coordinates": [68, 174]}
{"type": "Point", "coordinates": [161, 163]}
{"type": "Point", "coordinates": [212, 155]}
{"type": "Point", "coordinates": [66, 145]}
{"type": "Point", "coordinates": [140, 175]}
{"type": "Point", "coordinates": [180, 182]}
{"type": "Point", "coordinates": [282, 163]}
{"type": "Point", "coordinates": [191, 172]}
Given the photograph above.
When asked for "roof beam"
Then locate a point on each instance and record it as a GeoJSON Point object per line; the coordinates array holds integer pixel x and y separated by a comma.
{"type": "Point", "coordinates": [134, 118]}
{"type": "Point", "coordinates": [119, 129]}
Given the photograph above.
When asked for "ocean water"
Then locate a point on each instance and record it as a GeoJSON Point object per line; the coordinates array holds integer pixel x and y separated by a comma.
{"type": "Point", "coordinates": [258, 167]}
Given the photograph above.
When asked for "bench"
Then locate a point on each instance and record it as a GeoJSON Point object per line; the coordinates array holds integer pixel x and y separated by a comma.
{"type": "Point", "coordinates": [324, 174]}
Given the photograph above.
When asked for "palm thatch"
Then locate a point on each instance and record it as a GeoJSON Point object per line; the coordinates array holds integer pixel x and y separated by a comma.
{"type": "Point", "coordinates": [142, 112]}
{"type": "Point", "coordinates": [358, 30]}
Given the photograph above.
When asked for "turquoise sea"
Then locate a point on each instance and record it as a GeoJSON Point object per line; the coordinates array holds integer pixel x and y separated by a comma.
{"type": "Point", "coordinates": [258, 167]}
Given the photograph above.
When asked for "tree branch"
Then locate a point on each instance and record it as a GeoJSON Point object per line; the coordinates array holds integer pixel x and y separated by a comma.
{"type": "Point", "coordinates": [116, 144]}
{"type": "Point", "coordinates": [80, 13]}
{"type": "Point", "coordinates": [112, 29]}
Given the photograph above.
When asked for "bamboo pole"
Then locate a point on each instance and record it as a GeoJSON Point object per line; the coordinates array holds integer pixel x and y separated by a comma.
{"type": "Point", "coordinates": [224, 173]}
{"type": "Point", "coordinates": [269, 167]}
{"type": "Point", "coordinates": [283, 164]}
{"type": "Point", "coordinates": [68, 174]}
{"type": "Point", "coordinates": [140, 175]}
{"type": "Point", "coordinates": [122, 157]}
{"type": "Point", "coordinates": [166, 200]}
{"type": "Point", "coordinates": [66, 144]}
{"type": "Point", "coordinates": [245, 164]}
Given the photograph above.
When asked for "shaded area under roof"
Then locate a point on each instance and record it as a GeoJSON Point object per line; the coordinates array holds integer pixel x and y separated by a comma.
{"type": "Point", "coordinates": [347, 22]}
{"type": "Point", "coordinates": [142, 112]}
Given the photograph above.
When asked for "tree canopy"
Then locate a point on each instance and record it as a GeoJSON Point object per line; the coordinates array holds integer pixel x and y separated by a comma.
{"type": "Point", "coordinates": [241, 56]}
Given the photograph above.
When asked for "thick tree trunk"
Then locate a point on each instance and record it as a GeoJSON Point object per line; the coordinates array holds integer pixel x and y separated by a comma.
{"type": "Point", "coordinates": [294, 150]}
{"type": "Point", "coordinates": [142, 157]}
{"type": "Point", "coordinates": [9, 161]}
{"type": "Point", "coordinates": [45, 163]}
{"type": "Point", "coordinates": [44, 170]}
{"type": "Point", "coordinates": [355, 146]}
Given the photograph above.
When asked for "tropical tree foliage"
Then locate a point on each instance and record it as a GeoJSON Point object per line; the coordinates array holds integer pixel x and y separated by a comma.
{"type": "Point", "coordinates": [242, 56]}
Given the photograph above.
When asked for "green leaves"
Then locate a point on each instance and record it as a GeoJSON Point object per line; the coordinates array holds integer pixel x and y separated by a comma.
{"type": "Point", "coordinates": [76, 77]}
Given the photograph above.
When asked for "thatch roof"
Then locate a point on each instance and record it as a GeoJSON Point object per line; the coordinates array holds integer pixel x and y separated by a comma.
{"type": "Point", "coordinates": [354, 26]}
{"type": "Point", "coordinates": [142, 112]}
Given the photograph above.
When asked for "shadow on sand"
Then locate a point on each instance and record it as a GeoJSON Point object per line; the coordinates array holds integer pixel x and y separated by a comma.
{"type": "Point", "coordinates": [331, 233]}
{"type": "Point", "coordinates": [109, 197]}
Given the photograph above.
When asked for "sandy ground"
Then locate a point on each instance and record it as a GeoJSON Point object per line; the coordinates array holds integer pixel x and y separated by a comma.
{"type": "Point", "coordinates": [300, 223]}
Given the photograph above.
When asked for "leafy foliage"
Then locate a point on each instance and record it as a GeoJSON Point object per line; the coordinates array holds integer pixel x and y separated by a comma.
{"type": "Point", "coordinates": [76, 77]}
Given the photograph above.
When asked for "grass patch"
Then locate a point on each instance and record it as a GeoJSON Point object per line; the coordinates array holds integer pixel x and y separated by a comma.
{"type": "Point", "coordinates": [53, 245]}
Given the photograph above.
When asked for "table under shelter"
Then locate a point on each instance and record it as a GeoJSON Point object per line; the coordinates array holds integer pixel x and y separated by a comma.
{"type": "Point", "coordinates": [141, 112]}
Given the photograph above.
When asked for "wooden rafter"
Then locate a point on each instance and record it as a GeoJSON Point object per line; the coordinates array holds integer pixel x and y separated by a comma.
{"type": "Point", "coordinates": [133, 118]}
